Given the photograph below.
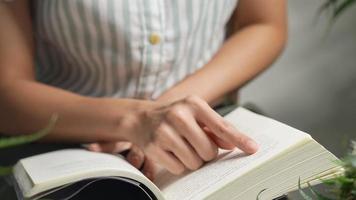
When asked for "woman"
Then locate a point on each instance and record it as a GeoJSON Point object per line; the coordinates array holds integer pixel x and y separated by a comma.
{"type": "Point", "coordinates": [139, 71]}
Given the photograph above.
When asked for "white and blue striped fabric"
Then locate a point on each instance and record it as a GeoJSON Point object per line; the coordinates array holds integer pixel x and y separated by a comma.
{"type": "Point", "coordinates": [126, 48]}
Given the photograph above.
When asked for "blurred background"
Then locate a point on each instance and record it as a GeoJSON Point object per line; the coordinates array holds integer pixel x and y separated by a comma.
{"type": "Point", "coordinates": [312, 86]}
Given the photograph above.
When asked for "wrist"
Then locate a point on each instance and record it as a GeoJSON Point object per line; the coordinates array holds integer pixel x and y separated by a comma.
{"type": "Point", "coordinates": [108, 119]}
{"type": "Point", "coordinates": [129, 122]}
{"type": "Point", "coordinates": [170, 96]}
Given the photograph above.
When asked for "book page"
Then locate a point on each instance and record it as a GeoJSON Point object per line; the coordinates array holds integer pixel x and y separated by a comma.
{"type": "Point", "coordinates": [53, 169]}
{"type": "Point", "coordinates": [65, 163]}
{"type": "Point", "coordinates": [272, 137]}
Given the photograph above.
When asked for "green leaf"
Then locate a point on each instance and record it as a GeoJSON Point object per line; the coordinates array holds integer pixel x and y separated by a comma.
{"type": "Point", "coordinates": [5, 170]}
{"type": "Point", "coordinates": [342, 7]}
{"type": "Point", "coordinates": [337, 7]}
{"type": "Point", "coordinates": [329, 182]}
{"type": "Point", "coordinates": [258, 195]}
{"type": "Point", "coordinates": [345, 180]}
{"type": "Point", "coordinates": [325, 6]}
{"type": "Point", "coordinates": [24, 139]}
{"type": "Point", "coordinates": [342, 187]}
{"type": "Point", "coordinates": [302, 193]}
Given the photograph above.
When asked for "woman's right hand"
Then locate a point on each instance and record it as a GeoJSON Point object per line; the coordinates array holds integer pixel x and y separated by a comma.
{"type": "Point", "coordinates": [183, 134]}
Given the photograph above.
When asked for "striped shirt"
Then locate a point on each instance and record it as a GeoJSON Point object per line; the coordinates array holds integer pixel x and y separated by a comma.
{"type": "Point", "coordinates": [126, 48]}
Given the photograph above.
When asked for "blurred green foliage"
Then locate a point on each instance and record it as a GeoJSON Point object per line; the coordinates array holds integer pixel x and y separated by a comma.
{"type": "Point", "coordinates": [336, 7]}
{"type": "Point", "coordinates": [342, 187]}
{"type": "Point", "coordinates": [7, 142]}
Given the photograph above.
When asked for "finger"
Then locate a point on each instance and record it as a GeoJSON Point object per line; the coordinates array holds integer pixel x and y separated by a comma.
{"type": "Point", "coordinates": [102, 147]}
{"type": "Point", "coordinates": [109, 147]}
{"type": "Point", "coordinates": [93, 147]}
{"type": "Point", "coordinates": [181, 148]}
{"type": "Point", "coordinates": [223, 129]}
{"type": "Point", "coordinates": [186, 125]}
{"type": "Point", "coordinates": [122, 146]}
{"type": "Point", "coordinates": [221, 143]}
{"type": "Point", "coordinates": [165, 159]}
{"type": "Point", "coordinates": [135, 157]}
{"type": "Point", "coordinates": [149, 168]}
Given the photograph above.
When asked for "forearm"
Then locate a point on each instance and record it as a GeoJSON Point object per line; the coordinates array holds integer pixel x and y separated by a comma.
{"type": "Point", "coordinates": [242, 57]}
{"type": "Point", "coordinates": [26, 106]}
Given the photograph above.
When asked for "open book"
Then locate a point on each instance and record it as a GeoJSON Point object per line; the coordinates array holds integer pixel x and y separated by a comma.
{"type": "Point", "coordinates": [285, 155]}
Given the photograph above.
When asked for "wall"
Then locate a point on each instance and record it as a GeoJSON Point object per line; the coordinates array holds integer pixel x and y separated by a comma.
{"type": "Point", "coordinates": [313, 85]}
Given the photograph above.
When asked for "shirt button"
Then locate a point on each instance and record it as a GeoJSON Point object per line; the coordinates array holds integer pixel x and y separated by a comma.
{"type": "Point", "coordinates": [154, 38]}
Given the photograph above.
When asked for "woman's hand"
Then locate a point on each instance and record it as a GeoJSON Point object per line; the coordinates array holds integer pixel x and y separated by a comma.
{"type": "Point", "coordinates": [181, 135]}
{"type": "Point", "coordinates": [134, 155]}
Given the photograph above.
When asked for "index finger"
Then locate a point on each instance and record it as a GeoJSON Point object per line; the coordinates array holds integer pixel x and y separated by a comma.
{"type": "Point", "coordinates": [223, 129]}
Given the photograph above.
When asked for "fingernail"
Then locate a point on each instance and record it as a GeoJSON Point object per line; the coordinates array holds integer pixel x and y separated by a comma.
{"type": "Point", "coordinates": [252, 146]}
{"type": "Point", "coordinates": [93, 148]}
